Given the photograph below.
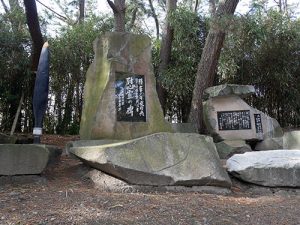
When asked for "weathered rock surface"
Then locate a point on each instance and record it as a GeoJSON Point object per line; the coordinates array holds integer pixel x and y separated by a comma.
{"type": "Point", "coordinates": [127, 55]}
{"type": "Point", "coordinates": [274, 168]}
{"type": "Point", "coordinates": [184, 128]}
{"type": "Point", "coordinates": [229, 147]}
{"type": "Point", "coordinates": [228, 117]}
{"type": "Point", "coordinates": [290, 140]}
{"type": "Point", "coordinates": [159, 159]}
{"type": "Point", "coordinates": [25, 159]}
{"type": "Point", "coordinates": [227, 90]}
{"type": "Point", "coordinates": [270, 144]}
{"type": "Point", "coordinates": [85, 143]}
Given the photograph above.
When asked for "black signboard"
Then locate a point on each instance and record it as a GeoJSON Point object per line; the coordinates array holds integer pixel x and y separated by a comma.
{"type": "Point", "coordinates": [258, 124]}
{"type": "Point", "coordinates": [130, 97]}
{"type": "Point", "coordinates": [234, 120]}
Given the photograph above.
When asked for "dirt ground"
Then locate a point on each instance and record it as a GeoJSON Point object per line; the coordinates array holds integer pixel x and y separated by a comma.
{"type": "Point", "coordinates": [62, 196]}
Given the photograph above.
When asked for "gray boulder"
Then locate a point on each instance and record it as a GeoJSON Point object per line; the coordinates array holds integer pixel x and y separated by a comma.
{"type": "Point", "coordinates": [274, 168]}
{"type": "Point", "coordinates": [159, 159]}
{"type": "Point", "coordinates": [228, 89]}
{"type": "Point", "coordinates": [290, 140]}
{"type": "Point", "coordinates": [270, 144]}
{"type": "Point", "coordinates": [230, 147]}
{"type": "Point", "coordinates": [25, 159]}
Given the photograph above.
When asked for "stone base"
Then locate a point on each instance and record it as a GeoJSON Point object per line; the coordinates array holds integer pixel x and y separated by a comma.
{"type": "Point", "coordinates": [19, 159]}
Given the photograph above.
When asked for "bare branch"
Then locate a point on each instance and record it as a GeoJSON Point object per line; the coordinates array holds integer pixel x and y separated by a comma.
{"type": "Point", "coordinates": [61, 17]}
{"type": "Point", "coordinates": [196, 6]}
{"type": "Point", "coordinates": [155, 18]}
{"type": "Point", "coordinates": [4, 6]}
{"type": "Point", "coordinates": [133, 18]}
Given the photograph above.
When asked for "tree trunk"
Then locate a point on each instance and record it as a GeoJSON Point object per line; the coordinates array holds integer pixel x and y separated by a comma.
{"type": "Point", "coordinates": [155, 18]}
{"type": "Point", "coordinates": [165, 52]}
{"type": "Point", "coordinates": [35, 31]}
{"type": "Point", "coordinates": [119, 9]}
{"type": "Point", "coordinates": [81, 11]}
{"type": "Point", "coordinates": [209, 59]}
{"type": "Point", "coordinates": [13, 128]}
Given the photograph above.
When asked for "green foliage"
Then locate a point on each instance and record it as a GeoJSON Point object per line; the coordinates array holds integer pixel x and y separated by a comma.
{"type": "Point", "coordinates": [71, 54]}
{"type": "Point", "coordinates": [264, 50]}
{"type": "Point", "coordinates": [179, 79]}
{"type": "Point", "coordinates": [14, 59]}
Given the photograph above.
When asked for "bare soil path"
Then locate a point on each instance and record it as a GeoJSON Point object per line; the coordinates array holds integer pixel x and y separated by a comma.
{"type": "Point", "coordinates": [62, 196]}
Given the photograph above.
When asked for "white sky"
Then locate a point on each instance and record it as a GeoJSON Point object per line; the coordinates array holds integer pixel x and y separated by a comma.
{"type": "Point", "coordinates": [102, 6]}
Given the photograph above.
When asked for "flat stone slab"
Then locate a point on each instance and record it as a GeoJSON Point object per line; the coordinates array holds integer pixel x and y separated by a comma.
{"type": "Point", "coordinates": [161, 159]}
{"type": "Point", "coordinates": [24, 159]}
{"type": "Point", "coordinates": [274, 168]}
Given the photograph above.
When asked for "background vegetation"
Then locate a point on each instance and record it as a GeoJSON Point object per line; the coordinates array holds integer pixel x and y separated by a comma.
{"type": "Point", "coordinates": [262, 47]}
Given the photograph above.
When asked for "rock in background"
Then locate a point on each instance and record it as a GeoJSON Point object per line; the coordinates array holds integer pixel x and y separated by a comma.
{"type": "Point", "coordinates": [228, 117]}
{"type": "Point", "coordinates": [119, 56]}
{"type": "Point", "coordinates": [159, 159]}
{"type": "Point", "coordinates": [228, 148]}
{"type": "Point", "coordinates": [274, 168]}
{"type": "Point", "coordinates": [290, 140]}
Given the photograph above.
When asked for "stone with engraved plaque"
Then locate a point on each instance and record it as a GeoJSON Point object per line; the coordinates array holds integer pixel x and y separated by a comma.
{"type": "Point", "coordinates": [228, 117]}
{"type": "Point", "coordinates": [120, 99]}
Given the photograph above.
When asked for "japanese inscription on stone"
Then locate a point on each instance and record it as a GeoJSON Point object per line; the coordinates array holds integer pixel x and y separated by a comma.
{"type": "Point", "coordinates": [130, 97]}
{"type": "Point", "coordinates": [234, 120]}
{"type": "Point", "coordinates": [258, 124]}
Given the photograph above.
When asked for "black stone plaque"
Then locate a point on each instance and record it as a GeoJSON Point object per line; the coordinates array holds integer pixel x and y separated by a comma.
{"type": "Point", "coordinates": [258, 124]}
{"type": "Point", "coordinates": [130, 97]}
{"type": "Point", "coordinates": [234, 120]}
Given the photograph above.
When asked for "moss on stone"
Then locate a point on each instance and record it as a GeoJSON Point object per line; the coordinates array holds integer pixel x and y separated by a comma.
{"type": "Point", "coordinates": [119, 52]}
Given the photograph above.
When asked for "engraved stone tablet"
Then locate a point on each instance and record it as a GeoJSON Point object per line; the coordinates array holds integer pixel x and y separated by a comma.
{"type": "Point", "coordinates": [258, 124]}
{"type": "Point", "coordinates": [234, 120]}
{"type": "Point", "coordinates": [130, 97]}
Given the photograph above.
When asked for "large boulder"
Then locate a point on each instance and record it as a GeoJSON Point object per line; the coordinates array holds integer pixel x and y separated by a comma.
{"type": "Point", "coordinates": [159, 159]}
{"type": "Point", "coordinates": [228, 117]}
{"type": "Point", "coordinates": [120, 99]}
{"type": "Point", "coordinates": [274, 168]}
{"type": "Point", "coordinates": [17, 159]}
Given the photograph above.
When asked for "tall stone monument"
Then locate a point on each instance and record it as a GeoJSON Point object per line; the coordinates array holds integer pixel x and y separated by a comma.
{"type": "Point", "coordinates": [120, 99]}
